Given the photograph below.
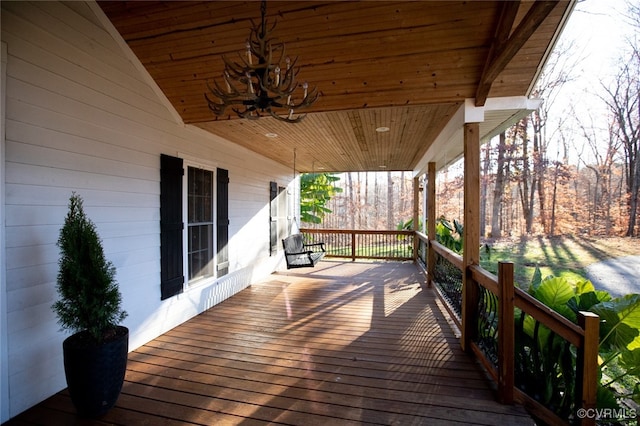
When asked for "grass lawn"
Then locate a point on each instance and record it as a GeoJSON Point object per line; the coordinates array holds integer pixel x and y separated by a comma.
{"type": "Point", "coordinates": [565, 256]}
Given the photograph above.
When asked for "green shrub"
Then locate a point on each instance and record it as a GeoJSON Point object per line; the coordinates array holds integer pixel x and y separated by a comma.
{"type": "Point", "coordinates": [89, 295]}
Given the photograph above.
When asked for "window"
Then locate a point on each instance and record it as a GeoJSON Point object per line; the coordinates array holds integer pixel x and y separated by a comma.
{"type": "Point", "coordinates": [200, 224]}
{"type": "Point", "coordinates": [280, 222]}
{"type": "Point", "coordinates": [205, 235]}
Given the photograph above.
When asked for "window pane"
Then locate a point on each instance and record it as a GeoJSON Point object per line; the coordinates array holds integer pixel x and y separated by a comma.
{"type": "Point", "coordinates": [200, 227]}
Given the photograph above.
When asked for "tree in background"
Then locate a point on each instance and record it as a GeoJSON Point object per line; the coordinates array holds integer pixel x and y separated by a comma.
{"type": "Point", "coordinates": [316, 189]}
{"type": "Point", "coordinates": [371, 201]}
{"type": "Point", "coordinates": [498, 190]}
{"type": "Point", "coordinates": [623, 100]}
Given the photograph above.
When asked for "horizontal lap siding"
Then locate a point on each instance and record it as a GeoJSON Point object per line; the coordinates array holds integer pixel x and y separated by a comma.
{"type": "Point", "coordinates": [80, 117]}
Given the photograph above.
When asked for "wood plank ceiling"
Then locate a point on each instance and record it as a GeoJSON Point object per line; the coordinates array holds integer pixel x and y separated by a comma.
{"type": "Point", "coordinates": [405, 65]}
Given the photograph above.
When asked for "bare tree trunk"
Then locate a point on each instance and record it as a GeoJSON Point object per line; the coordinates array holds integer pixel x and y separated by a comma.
{"type": "Point", "coordinates": [390, 194]}
{"type": "Point", "coordinates": [358, 205]}
{"type": "Point", "coordinates": [526, 196]}
{"type": "Point", "coordinates": [539, 167]}
{"type": "Point", "coordinates": [366, 199]}
{"type": "Point", "coordinates": [552, 229]}
{"type": "Point", "coordinates": [595, 216]}
{"type": "Point", "coordinates": [403, 189]}
{"type": "Point", "coordinates": [633, 203]}
{"type": "Point", "coordinates": [623, 100]}
{"type": "Point", "coordinates": [351, 201]}
{"type": "Point", "coordinates": [484, 188]}
{"type": "Point", "coordinates": [376, 200]}
{"type": "Point", "coordinates": [498, 191]}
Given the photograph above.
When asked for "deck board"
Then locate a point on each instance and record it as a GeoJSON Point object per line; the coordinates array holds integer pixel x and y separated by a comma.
{"type": "Point", "coordinates": [342, 343]}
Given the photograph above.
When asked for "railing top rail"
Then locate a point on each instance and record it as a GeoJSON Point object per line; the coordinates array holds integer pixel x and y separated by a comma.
{"type": "Point", "coordinates": [357, 231]}
{"type": "Point", "coordinates": [450, 255]}
{"type": "Point", "coordinates": [548, 317]}
{"type": "Point", "coordinates": [485, 278]}
{"type": "Point", "coordinates": [530, 305]}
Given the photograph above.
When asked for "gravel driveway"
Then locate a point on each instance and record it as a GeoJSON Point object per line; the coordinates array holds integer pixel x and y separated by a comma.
{"type": "Point", "coordinates": [618, 276]}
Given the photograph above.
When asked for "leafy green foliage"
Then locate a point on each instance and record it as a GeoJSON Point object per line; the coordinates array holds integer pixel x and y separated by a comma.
{"type": "Point", "coordinates": [450, 235]}
{"type": "Point", "coordinates": [408, 225]}
{"type": "Point", "coordinates": [620, 327]}
{"type": "Point", "coordinates": [316, 189]}
{"type": "Point", "coordinates": [546, 365]}
{"type": "Point", "coordinates": [89, 295]}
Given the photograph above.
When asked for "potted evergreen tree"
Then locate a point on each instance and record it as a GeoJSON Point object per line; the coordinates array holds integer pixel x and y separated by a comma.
{"type": "Point", "coordinates": [89, 305]}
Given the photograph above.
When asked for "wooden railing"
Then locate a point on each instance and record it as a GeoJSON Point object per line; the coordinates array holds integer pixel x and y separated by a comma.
{"type": "Point", "coordinates": [499, 339]}
{"type": "Point", "coordinates": [496, 332]}
{"type": "Point", "coordinates": [352, 244]}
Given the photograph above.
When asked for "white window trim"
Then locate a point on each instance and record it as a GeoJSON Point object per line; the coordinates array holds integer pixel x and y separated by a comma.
{"type": "Point", "coordinates": [188, 285]}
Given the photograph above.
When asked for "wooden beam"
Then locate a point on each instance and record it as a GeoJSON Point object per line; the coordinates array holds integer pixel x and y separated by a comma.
{"type": "Point", "coordinates": [506, 333]}
{"type": "Point", "coordinates": [500, 57]}
{"type": "Point", "coordinates": [587, 364]}
{"type": "Point", "coordinates": [508, 13]}
{"type": "Point", "coordinates": [471, 233]}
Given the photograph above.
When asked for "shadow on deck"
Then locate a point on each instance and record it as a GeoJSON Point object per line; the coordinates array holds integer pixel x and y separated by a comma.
{"type": "Point", "coordinates": [342, 343]}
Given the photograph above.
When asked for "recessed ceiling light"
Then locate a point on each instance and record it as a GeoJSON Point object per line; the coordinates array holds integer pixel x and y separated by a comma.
{"type": "Point", "coordinates": [382, 129]}
{"type": "Point", "coordinates": [383, 167]}
{"type": "Point", "coordinates": [271, 135]}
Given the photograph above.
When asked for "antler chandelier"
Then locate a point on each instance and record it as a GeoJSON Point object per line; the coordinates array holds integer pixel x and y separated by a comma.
{"type": "Point", "coordinates": [258, 85]}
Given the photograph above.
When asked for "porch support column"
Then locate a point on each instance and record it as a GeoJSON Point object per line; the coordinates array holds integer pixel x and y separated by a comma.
{"type": "Point", "coordinates": [430, 197]}
{"type": "Point", "coordinates": [416, 216]}
{"type": "Point", "coordinates": [471, 233]}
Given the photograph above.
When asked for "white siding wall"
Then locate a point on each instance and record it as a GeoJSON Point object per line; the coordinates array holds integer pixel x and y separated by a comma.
{"type": "Point", "coordinates": [81, 117]}
{"type": "Point", "coordinates": [4, 352]}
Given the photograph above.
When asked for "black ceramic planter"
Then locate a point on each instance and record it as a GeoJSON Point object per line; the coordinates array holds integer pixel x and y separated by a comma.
{"type": "Point", "coordinates": [95, 373]}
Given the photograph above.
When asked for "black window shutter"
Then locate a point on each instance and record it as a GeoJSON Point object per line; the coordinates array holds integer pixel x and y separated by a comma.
{"type": "Point", "coordinates": [171, 226]}
{"type": "Point", "coordinates": [273, 220]}
{"type": "Point", "coordinates": [222, 231]}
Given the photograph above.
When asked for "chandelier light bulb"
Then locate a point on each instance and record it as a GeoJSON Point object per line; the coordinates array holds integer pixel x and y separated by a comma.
{"type": "Point", "coordinates": [249, 53]}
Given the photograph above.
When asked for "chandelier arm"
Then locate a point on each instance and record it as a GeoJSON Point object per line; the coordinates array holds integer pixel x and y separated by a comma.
{"type": "Point", "coordinates": [255, 42]}
{"type": "Point", "coordinates": [234, 69]}
{"type": "Point", "coordinates": [288, 81]}
{"type": "Point", "coordinates": [219, 91]}
{"type": "Point", "coordinates": [248, 113]}
{"type": "Point", "coordinates": [232, 91]}
{"type": "Point", "coordinates": [276, 116]}
{"type": "Point", "coordinates": [308, 100]}
{"type": "Point", "coordinates": [289, 78]}
{"type": "Point", "coordinates": [219, 107]}
{"type": "Point", "coordinates": [216, 108]}
{"type": "Point", "coordinates": [244, 63]}
{"type": "Point", "coordinates": [287, 119]}
{"type": "Point", "coordinates": [254, 84]}
{"type": "Point", "coordinates": [231, 87]}
{"type": "Point", "coordinates": [290, 88]}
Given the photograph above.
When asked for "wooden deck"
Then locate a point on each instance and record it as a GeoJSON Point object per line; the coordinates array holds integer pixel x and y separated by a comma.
{"type": "Point", "coordinates": [339, 344]}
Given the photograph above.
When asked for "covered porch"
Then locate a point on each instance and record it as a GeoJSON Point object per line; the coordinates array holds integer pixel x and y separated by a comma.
{"type": "Point", "coordinates": [342, 343]}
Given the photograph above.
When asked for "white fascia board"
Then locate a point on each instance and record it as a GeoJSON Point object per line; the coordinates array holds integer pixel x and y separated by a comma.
{"type": "Point", "coordinates": [448, 145]}
{"type": "Point", "coordinates": [511, 109]}
{"type": "Point", "coordinates": [512, 103]}
{"type": "Point", "coordinates": [448, 133]}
